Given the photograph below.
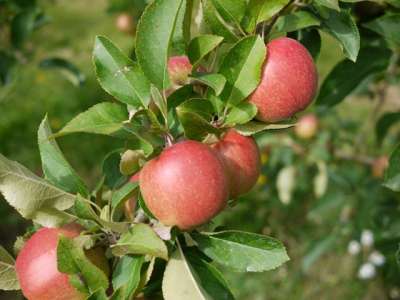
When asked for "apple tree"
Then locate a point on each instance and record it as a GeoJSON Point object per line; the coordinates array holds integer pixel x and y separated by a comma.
{"type": "Point", "coordinates": [205, 77]}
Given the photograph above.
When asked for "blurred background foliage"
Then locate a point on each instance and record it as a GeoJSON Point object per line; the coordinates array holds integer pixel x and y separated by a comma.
{"type": "Point", "coordinates": [322, 196]}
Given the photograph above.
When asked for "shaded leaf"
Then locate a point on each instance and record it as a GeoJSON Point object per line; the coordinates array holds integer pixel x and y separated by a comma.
{"type": "Point", "coordinates": [33, 197]}
{"type": "Point", "coordinates": [296, 21]}
{"type": "Point", "coordinates": [67, 68]}
{"type": "Point", "coordinates": [384, 123]}
{"type": "Point", "coordinates": [214, 81]}
{"type": "Point", "coordinates": [202, 45]}
{"type": "Point", "coordinates": [342, 27]}
{"type": "Point", "coordinates": [242, 251]}
{"type": "Point", "coordinates": [254, 127]}
{"type": "Point", "coordinates": [259, 11]}
{"type": "Point", "coordinates": [392, 174]}
{"type": "Point", "coordinates": [241, 114]}
{"type": "Point", "coordinates": [71, 259]}
{"type": "Point", "coordinates": [119, 75]}
{"type": "Point", "coordinates": [8, 275]}
{"type": "Point", "coordinates": [127, 275]}
{"type": "Point", "coordinates": [242, 68]}
{"type": "Point", "coordinates": [388, 27]}
{"type": "Point", "coordinates": [55, 166]}
{"type": "Point", "coordinates": [140, 239]}
{"type": "Point", "coordinates": [190, 277]}
{"type": "Point", "coordinates": [153, 39]}
{"type": "Point", "coordinates": [346, 75]}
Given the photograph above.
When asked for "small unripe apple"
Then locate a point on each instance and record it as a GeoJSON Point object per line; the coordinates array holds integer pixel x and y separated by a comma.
{"type": "Point", "coordinates": [307, 126]}
{"type": "Point", "coordinates": [124, 23]}
{"type": "Point", "coordinates": [379, 166]}
{"type": "Point", "coordinates": [289, 81]}
{"type": "Point", "coordinates": [185, 186]}
{"type": "Point", "coordinates": [36, 266]}
{"type": "Point", "coordinates": [241, 157]}
{"type": "Point", "coordinates": [179, 69]}
{"type": "Point", "coordinates": [130, 205]}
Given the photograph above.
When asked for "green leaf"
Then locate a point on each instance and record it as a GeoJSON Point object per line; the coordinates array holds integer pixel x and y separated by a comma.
{"type": "Point", "coordinates": [346, 75]}
{"type": "Point", "coordinates": [216, 23]}
{"type": "Point", "coordinates": [105, 118]}
{"type": "Point", "coordinates": [111, 170]}
{"type": "Point", "coordinates": [195, 116]}
{"type": "Point", "coordinates": [7, 64]}
{"type": "Point", "coordinates": [143, 206]}
{"type": "Point", "coordinates": [388, 27]}
{"type": "Point", "coordinates": [120, 76]}
{"type": "Point", "coordinates": [231, 10]}
{"type": "Point", "coordinates": [98, 295]}
{"type": "Point", "coordinates": [254, 127]}
{"type": "Point", "coordinates": [55, 166]}
{"type": "Point", "coordinates": [67, 68]}
{"type": "Point", "coordinates": [260, 11]}
{"type": "Point", "coordinates": [84, 210]}
{"type": "Point", "coordinates": [127, 275]}
{"type": "Point", "coordinates": [240, 114]}
{"type": "Point", "coordinates": [311, 39]}
{"type": "Point", "coordinates": [22, 26]}
{"type": "Point", "coordinates": [342, 27]}
{"type": "Point", "coordinates": [392, 174]}
{"type": "Point", "coordinates": [384, 123]}
{"type": "Point", "coordinates": [202, 45]}
{"type": "Point", "coordinates": [242, 69]}
{"type": "Point", "coordinates": [296, 21]}
{"type": "Point", "coordinates": [242, 251]}
{"type": "Point", "coordinates": [33, 197]}
{"type": "Point", "coordinates": [214, 81]}
{"type": "Point", "coordinates": [153, 39]}
{"type": "Point", "coordinates": [333, 4]}
{"type": "Point", "coordinates": [72, 260]}
{"type": "Point", "coordinates": [190, 277]}
{"type": "Point", "coordinates": [159, 101]}
{"type": "Point", "coordinates": [8, 275]}
{"type": "Point", "coordinates": [140, 239]}
{"type": "Point", "coordinates": [123, 193]}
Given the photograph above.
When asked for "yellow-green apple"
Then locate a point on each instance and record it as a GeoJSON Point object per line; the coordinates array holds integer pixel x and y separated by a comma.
{"type": "Point", "coordinates": [185, 186]}
{"type": "Point", "coordinates": [36, 265]}
{"type": "Point", "coordinates": [241, 158]}
{"type": "Point", "coordinates": [307, 126]}
{"type": "Point", "coordinates": [289, 81]}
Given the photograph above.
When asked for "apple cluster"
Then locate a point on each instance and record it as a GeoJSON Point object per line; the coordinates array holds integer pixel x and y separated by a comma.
{"type": "Point", "coordinates": [189, 182]}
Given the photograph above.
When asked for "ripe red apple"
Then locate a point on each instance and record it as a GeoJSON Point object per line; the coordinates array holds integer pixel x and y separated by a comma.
{"type": "Point", "coordinates": [36, 266]}
{"type": "Point", "coordinates": [186, 185]}
{"type": "Point", "coordinates": [307, 126]}
{"type": "Point", "coordinates": [124, 23]}
{"type": "Point", "coordinates": [241, 157]}
{"type": "Point", "coordinates": [179, 69]}
{"type": "Point", "coordinates": [379, 166]}
{"type": "Point", "coordinates": [289, 81]}
{"type": "Point", "coordinates": [130, 205]}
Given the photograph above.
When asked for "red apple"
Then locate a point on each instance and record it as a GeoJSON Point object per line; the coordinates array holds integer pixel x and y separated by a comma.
{"type": "Point", "coordinates": [36, 266]}
{"type": "Point", "coordinates": [289, 81]}
{"type": "Point", "coordinates": [186, 185]}
{"type": "Point", "coordinates": [179, 69]}
{"type": "Point", "coordinates": [241, 157]}
{"type": "Point", "coordinates": [124, 23]}
{"type": "Point", "coordinates": [130, 205]}
{"type": "Point", "coordinates": [307, 126]}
